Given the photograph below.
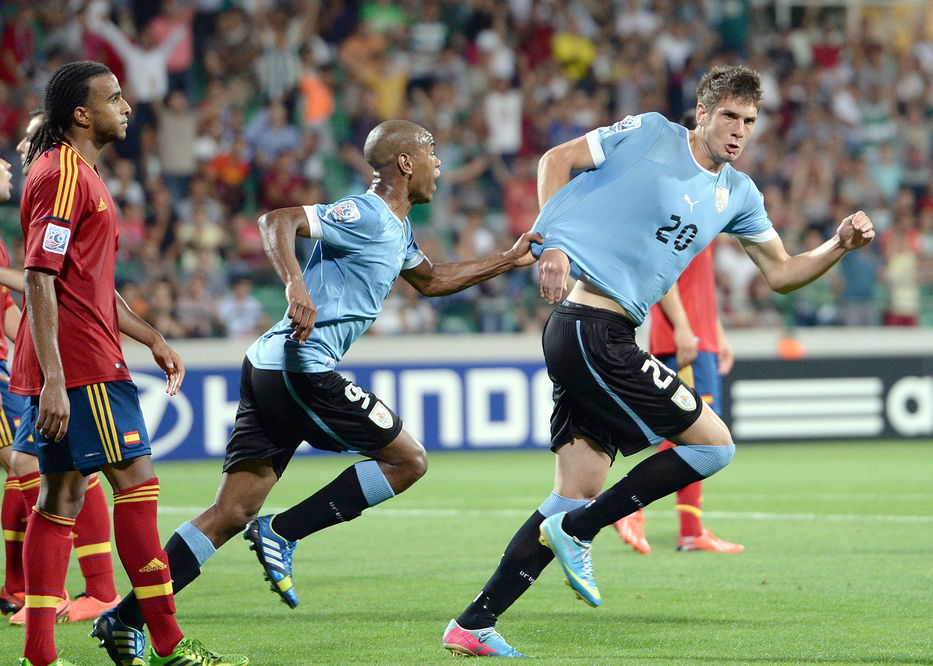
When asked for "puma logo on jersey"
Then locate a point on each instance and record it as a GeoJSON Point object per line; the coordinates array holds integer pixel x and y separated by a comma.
{"type": "Point", "coordinates": [690, 203]}
{"type": "Point", "coordinates": [154, 565]}
{"type": "Point", "coordinates": [101, 205]}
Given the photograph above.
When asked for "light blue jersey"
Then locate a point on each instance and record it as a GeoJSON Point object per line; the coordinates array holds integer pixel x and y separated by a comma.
{"type": "Point", "coordinates": [361, 249]}
{"type": "Point", "coordinates": [633, 223]}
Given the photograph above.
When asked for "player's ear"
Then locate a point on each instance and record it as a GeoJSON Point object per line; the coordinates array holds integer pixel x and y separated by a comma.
{"type": "Point", "coordinates": [81, 117]}
{"type": "Point", "coordinates": [405, 164]}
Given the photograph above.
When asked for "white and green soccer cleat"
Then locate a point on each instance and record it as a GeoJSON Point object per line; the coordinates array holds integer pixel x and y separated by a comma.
{"type": "Point", "coordinates": [574, 556]}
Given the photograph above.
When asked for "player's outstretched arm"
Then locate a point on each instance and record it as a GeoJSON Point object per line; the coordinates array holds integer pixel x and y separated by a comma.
{"type": "Point", "coordinates": [445, 279]}
{"type": "Point", "coordinates": [12, 278]}
{"type": "Point", "coordinates": [785, 273]}
{"type": "Point", "coordinates": [42, 307]}
{"type": "Point", "coordinates": [136, 327]}
{"type": "Point", "coordinates": [279, 229]}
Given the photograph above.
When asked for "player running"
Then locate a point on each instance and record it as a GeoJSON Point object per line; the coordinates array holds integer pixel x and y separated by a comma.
{"type": "Point", "coordinates": [651, 196]}
{"type": "Point", "coordinates": [69, 362]}
{"type": "Point", "coordinates": [289, 390]}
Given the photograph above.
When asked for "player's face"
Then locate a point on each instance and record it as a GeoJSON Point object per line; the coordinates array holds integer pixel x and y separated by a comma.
{"type": "Point", "coordinates": [108, 111]}
{"type": "Point", "coordinates": [726, 129]}
{"type": "Point", "coordinates": [23, 146]}
{"type": "Point", "coordinates": [425, 172]}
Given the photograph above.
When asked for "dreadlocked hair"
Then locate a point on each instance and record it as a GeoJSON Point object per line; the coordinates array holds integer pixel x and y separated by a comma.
{"type": "Point", "coordinates": [67, 89]}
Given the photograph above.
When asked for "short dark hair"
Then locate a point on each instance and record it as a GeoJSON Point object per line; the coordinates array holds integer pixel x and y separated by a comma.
{"type": "Point", "coordinates": [729, 82]}
{"type": "Point", "coordinates": [68, 88]}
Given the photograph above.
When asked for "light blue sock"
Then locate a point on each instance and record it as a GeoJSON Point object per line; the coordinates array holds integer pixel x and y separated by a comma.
{"type": "Point", "coordinates": [375, 485]}
{"type": "Point", "coordinates": [706, 460]}
{"type": "Point", "coordinates": [556, 503]}
{"type": "Point", "coordinates": [197, 541]}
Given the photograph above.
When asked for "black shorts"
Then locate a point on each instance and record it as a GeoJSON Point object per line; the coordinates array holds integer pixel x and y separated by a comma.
{"type": "Point", "coordinates": [607, 388]}
{"type": "Point", "coordinates": [279, 410]}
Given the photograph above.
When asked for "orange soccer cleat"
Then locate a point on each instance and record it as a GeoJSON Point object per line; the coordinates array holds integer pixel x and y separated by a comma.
{"type": "Point", "coordinates": [708, 541]}
{"type": "Point", "coordinates": [61, 612]}
{"type": "Point", "coordinates": [85, 607]}
{"type": "Point", "coordinates": [632, 531]}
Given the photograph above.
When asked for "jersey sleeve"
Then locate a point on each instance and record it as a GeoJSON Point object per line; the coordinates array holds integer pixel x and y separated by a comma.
{"type": "Point", "coordinates": [52, 209]}
{"type": "Point", "coordinates": [413, 253]}
{"type": "Point", "coordinates": [603, 141]}
{"type": "Point", "coordinates": [751, 223]}
{"type": "Point", "coordinates": [346, 225]}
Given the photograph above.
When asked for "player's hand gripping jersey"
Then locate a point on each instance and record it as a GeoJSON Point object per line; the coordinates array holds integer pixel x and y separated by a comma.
{"type": "Point", "coordinates": [633, 223]}
{"type": "Point", "coordinates": [362, 247]}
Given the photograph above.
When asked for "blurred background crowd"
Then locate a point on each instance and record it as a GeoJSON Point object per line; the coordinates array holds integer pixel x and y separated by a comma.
{"type": "Point", "coordinates": [242, 106]}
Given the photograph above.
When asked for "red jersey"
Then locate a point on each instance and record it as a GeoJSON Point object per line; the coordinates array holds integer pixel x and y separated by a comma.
{"type": "Point", "coordinates": [697, 285]}
{"type": "Point", "coordinates": [6, 302]}
{"type": "Point", "coordinates": [69, 225]}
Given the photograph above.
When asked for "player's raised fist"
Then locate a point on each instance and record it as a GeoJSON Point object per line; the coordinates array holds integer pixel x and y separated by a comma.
{"type": "Point", "coordinates": [856, 231]}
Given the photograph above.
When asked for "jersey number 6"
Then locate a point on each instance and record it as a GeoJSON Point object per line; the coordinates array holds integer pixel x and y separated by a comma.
{"type": "Point", "coordinates": [683, 239]}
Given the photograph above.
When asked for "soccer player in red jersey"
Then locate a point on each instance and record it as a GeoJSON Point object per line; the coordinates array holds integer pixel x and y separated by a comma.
{"type": "Point", "coordinates": [69, 363]}
{"type": "Point", "coordinates": [92, 526]}
{"type": "Point", "coordinates": [686, 335]}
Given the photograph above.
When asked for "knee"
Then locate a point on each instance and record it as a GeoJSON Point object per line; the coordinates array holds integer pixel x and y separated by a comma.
{"type": "Point", "coordinates": [413, 465]}
{"type": "Point", "coordinates": [706, 460]}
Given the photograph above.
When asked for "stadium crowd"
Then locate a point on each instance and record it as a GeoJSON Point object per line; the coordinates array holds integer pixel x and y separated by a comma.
{"type": "Point", "coordinates": [241, 106]}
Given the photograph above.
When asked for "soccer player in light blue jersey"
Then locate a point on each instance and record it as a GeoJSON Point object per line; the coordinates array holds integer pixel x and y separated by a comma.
{"type": "Point", "coordinates": [289, 391]}
{"type": "Point", "coordinates": [652, 196]}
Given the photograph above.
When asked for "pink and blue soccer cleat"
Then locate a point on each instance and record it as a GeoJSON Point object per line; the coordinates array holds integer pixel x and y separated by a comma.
{"type": "Point", "coordinates": [485, 642]}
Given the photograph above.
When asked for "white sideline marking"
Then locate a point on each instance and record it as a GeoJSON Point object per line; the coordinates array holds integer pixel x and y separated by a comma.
{"type": "Point", "coordinates": [522, 513]}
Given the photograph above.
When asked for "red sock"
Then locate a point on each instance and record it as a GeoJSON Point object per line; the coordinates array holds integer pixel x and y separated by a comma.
{"type": "Point", "coordinates": [689, 501]}
{"type": "Point", "coordinates": [45, 556]}
{"type": "Point", "coordinates": [92, 543]}
{"type": "Point", "coordinates": [13, 517]}
{"type": "Point", "coordinates": [137, 536]}
{"type": "Point", "coordinates": [29, 486]}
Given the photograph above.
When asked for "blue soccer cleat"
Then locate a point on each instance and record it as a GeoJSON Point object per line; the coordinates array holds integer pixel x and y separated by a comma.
{"type": "Point", "coordinates": [125, 645]}
{"type": "Point", "coordinates": [275, 555]}
{"type": "Point", "coordinates": [485, 642]}
{"type": "Point", "coordinates": [574, 557]}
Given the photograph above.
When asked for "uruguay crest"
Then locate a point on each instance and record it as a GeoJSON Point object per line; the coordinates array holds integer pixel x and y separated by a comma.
{"type": "Point", "coordinates": [722, 198]}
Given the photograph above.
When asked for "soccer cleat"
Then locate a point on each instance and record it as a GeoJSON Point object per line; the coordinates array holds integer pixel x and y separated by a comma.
{"type": "Point", "coordinates": [85, 607]}
{"type": "Point", "coordinates": [574, 556]}
{"type": "Point", "coordinates": [275, 555]}
{"type": "Point", "coordinates": [485, 642]}
{"type": "Point", "coordinates": [708, 541]}
{"type": "Point", "coordinates": [58, 662]}
{"type": "Point", "coordinates": [10, 602]}
{"type": "Point", "coordinates": [632, 531]}
{"type": "Point", "coordinates": [125, 645]}
{"type": "Point", "coordinates": [191, 652]}
{"type": "Point", "coordinates": [61, 612]}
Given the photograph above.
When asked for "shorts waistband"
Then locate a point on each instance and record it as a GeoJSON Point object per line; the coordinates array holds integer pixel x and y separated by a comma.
{"type": "Point", "coordinates": [571, 309]}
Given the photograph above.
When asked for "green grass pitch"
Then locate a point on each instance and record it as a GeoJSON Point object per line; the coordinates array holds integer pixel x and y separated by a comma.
{"type": "Point", "coordinates": [838, 568]}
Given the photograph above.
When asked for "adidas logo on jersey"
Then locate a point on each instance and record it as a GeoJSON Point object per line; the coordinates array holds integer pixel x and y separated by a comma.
{"type": "Point", "coordinates": [154, 565]}
{"type": "Point", "coordinates": [101, 205]}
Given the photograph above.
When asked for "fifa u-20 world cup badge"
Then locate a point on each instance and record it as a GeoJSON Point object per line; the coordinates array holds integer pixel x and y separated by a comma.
{"type": "Point", "coordinates": [722, 198]}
